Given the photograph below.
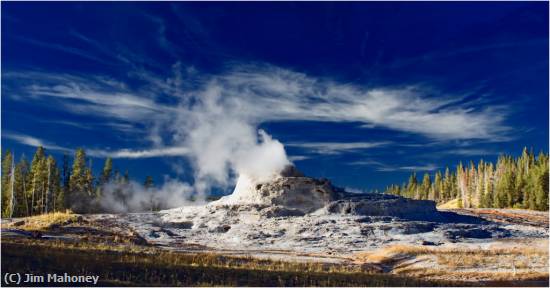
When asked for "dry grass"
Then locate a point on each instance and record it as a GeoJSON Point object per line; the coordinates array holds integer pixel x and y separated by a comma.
{"type": "Point", "coordinates": [453, 204]}
{"type": "Point", "coordinates": [136, 254]}
{"type": "Point", "coordinates": [471, 276]}
{"type": "Point", "coordinates": [387, 253]}
{"type": "Point", "coordinates": [495, 263]}
{"type": "Point", "coordinates": [502, 261]}
{"type": "Point", "coordinates": [44, 221]}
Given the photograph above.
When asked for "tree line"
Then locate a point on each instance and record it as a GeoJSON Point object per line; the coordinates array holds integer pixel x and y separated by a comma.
{"type": "Point", "coordinates": [42, 186]}
{"type": "Point", "coordinates": [520, 182]}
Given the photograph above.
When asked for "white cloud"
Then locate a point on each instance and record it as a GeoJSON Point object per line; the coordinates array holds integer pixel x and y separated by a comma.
{"type": "Point", "coordinates": [298, 158]}
{"type": "Point", "coordinates": [270, 94]}
{"type": "Point", "coordinates": [366, 162]}
{"type": "Point", "coordinates": [328, 148]}
{"type": "Point", "coordinates": [470, 152]}
{"type": "Point", "coordinates": [419, 168]}
{"type": "Point", "coordinates": [95, 96]}
{"type": "Point", "coordinates": [379, 166]}
{"type": "Point", "coordinates": [122, 153]}
{"type": "Point", "coordinates": [150, 153]}
{"type": "Point", "coordinates": [33, 141]}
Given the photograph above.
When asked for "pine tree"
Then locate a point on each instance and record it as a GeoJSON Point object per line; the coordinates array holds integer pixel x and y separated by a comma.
{"type": "Point", "coordinates": [479, 184]}
{"type": "Point", "coordinates": [49, 194]}
{"type": "Point", "coordinates": [66, 177]}
{"type": "Point", "coordinates": [89, 184]}
{"type": "Point", "coordinates": [539, 183]}
{"type": "Point", "coordinates": [412, 186]}
{"type": "Point", "coordinates": [106, 174]}
{"type": "Point", "coordinates": [437, 187]}
{"type": "Point", "coordinates": [77, 196]}
{"type": "Point", "coordinates": [447, 186]}
{"type": "Point", "coordinates": [462, 184]}
{"type": "Point", "coordinates": [36, 180]}
{"type": "Point", "coordinates": [487, 199]}
{"type": "Point", "coordinates": [59, 199]}
{"type": "Point", "coordinates": [521, 168]}
{"type": "Point", "coordinates": [55, 201]}
{"type": "Point", "coordinates": [6, 183]}
{"type": "Point", "coordinates": [471, 184]}
{"type": "Point", "coordinates": [425, 187]}
{"type": "Point", "coordinates": [21, 181]}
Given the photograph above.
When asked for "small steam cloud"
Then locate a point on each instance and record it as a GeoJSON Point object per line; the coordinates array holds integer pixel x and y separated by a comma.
{"type": "Point", "coordinates": [134, 197]}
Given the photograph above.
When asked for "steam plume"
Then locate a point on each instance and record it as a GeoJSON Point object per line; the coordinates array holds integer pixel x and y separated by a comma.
{"type": "Point", "coordinates": [223, 141]}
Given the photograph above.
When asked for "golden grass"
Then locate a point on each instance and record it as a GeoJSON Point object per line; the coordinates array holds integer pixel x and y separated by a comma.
{"type": "Point", "coordinates": [496, 263]}
{"type": "Point", "coordinates": [502, 261]}
{"type": "Point", "coordinates": [453, 204]}
{"type": "Point", "coordinates": [388, 253]}
{"type": "Point", "coordinates": [44, 221]}
{"type": "Point", "coordinates": [425, 273]}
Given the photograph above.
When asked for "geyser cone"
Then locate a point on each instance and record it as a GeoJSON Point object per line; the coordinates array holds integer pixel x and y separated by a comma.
{"type": "Point", "coordinates": [289, 188]}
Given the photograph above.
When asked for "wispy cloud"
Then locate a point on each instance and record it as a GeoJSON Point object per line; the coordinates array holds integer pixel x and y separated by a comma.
{"type": "Point", "coordinates": [162, 38]}
{"type": "Point", "coordinates": [99, 97]}
{"type": "Point", "coordinates": [122, 153]}
{"type": "Point", "coordinates": [331, 148]}
{"type": "Point", "coordinates": [66, 49]}
{"type": "Point", "coordinates": [132, 154]}
{"type": "Point", "coordinates": [297, 158]}
{"type": "Point", "coordinates": [276, 94]}
{"type": "Point", "coordinates": [266, 93]}
{"type": "Point", "coordinates": [417, 168]}
{"type": "Point", "coordinates": [379, 166]}
{"type": "Point", "coordinates": [33, 141]}
{"type": "Point", "coordinates": [470, 152]}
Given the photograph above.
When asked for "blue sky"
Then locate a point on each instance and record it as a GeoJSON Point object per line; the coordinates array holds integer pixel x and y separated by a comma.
{"type": "Point", "coordinates": [361, 93]}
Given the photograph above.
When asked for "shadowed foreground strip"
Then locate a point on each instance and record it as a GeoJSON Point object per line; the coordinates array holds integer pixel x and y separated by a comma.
{"type": "Point", "coordinates": [177, 269]}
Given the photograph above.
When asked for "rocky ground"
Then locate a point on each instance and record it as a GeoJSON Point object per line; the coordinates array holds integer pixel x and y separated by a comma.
{"type": "Point", "coordinates": [318, 233]}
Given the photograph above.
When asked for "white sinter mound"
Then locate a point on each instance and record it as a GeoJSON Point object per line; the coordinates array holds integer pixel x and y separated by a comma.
{"type": "Point", "coordinates": [288, 190]}
{"type": "Point", "coordinates": [292, 212]}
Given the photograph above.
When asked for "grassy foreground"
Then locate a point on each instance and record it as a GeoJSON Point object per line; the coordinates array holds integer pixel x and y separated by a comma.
{"type": "Point", "coordinates": [141, 267]}
{"type": "Point", "coordinates": [523, 264]}
{"type": "Point", "coordinates": [44, 222]}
